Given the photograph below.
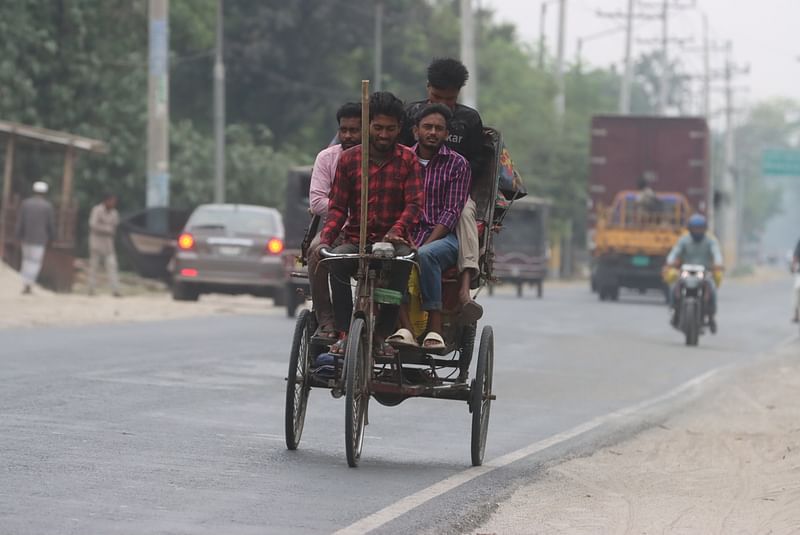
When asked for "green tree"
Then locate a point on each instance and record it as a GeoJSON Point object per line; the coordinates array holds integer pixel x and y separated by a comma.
{"type": "Point", "coordinates": [770, 124]}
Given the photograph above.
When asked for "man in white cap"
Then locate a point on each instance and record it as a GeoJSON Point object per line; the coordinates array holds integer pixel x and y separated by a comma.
{"type": "Point", "coordinates": [36, 228]}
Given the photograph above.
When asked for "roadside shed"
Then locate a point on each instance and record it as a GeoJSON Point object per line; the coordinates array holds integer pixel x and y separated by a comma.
{"type": "Point", "coordinates": [58, 270]}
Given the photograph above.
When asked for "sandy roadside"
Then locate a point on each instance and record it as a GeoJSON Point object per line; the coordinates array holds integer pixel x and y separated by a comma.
{"type": "Point", "coordinates": [728, 463]}
{"type": "Point", "coordinates": [139, 304]}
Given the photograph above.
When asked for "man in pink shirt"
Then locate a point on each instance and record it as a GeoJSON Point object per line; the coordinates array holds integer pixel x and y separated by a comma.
{"type": "Point", "coordinates": [349, 118]}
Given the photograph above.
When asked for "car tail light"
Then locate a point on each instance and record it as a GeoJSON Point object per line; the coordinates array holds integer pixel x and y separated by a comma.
{"type": "Point", "coordinates": [185, 241]}
{"type": "Point", "coordinates": [275, 246]}
{"type": "Point", "coordinates": [189, 272]}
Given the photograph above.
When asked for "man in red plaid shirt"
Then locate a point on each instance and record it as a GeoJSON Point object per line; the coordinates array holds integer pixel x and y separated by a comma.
{"type": "Point", "coordinates": [396, 196]}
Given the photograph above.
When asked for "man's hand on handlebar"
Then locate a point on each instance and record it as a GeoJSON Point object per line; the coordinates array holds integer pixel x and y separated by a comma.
{"type": "Point", "coordinates": [396, 239]}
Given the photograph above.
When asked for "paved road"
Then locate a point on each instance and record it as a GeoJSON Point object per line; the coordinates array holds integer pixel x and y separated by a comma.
{"type": "Point", "coordinates": [177, 426]}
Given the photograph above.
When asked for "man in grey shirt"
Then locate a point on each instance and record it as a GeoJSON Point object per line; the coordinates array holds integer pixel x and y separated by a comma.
{"type": "Point", "coordinates": [36, 228]}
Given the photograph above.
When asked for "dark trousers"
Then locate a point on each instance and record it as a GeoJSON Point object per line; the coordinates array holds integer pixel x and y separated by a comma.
{"type": "Point", "coordinates": [342, 270]}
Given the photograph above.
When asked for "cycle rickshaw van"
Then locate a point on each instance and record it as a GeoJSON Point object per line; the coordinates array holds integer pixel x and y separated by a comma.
{"type": "Point", "coordinates": [359, 376]}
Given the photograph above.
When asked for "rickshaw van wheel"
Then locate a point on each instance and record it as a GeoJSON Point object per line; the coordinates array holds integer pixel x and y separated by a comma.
{"type": "Point", "coordinates": [356, 394]}
{"type": "Point", "coordinates": [297, 380]}
{"type": "Point", "coordinates": [480, 395]}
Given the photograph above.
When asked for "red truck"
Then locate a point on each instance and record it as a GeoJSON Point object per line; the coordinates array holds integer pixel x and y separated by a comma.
{"type": "Point", "coordinates": [646, 176]}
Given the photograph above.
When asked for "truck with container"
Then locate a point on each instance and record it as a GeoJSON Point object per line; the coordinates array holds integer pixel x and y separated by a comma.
{"type": "Point", "coordinates": [647, 175]}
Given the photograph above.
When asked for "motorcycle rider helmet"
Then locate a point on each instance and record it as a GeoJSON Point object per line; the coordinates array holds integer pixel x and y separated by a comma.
{"type": "Point", "coordinates": [697, 226]}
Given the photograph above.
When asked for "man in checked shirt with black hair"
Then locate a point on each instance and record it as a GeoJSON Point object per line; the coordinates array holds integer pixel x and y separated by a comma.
{"type": "Point", "coordinates": [396, 197]}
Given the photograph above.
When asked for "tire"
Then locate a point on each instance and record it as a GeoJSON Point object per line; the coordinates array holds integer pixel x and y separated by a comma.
{"type": "Point", "coordinates": [480, 395]}
{"type": "Point", "coordinates": [539, 289]}
{"type": "Point", "coordinates": [297, 380]}
{"type": "Point", "coordinates": [691, 326]}
{"type": "Point", "coordinates": [613, 293]}
{"type": "Point", "coordinates": [356, 394]}
{"type": "Point", "coordinates": [184, 291]}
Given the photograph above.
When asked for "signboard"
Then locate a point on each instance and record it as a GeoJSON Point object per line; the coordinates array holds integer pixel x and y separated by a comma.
{"type": "Point", "coordinates": [780, 162]}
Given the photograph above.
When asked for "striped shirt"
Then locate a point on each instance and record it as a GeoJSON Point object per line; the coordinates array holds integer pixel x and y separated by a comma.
{"type": "Point", "coordinates": [447, 182]}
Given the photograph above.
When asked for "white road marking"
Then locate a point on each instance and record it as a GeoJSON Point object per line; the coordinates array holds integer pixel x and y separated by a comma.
{"type": "Point", "coordinates": [399, 508]}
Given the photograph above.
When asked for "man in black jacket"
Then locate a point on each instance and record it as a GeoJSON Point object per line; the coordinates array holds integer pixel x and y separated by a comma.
{"type": "Point", "coordinates": [446, 77]}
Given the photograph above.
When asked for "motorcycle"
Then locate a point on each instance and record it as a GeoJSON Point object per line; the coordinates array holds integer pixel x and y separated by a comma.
{"type": "Point", "coordinates": [691, 300]}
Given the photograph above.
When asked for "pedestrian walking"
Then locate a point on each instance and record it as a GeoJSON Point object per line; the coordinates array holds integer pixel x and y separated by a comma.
{"type": "Point", "coordinates": [103, 222]}
{"type": "Point", "coordinates": [35, 230]}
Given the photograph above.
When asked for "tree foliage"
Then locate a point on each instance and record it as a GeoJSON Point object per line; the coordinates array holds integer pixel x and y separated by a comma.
{"type": "Point", "coordinates": [81, 66]}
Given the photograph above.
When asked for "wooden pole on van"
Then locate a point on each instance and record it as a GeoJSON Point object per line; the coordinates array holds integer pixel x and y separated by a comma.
{"type": "Point", "coordinates": [362, 238]}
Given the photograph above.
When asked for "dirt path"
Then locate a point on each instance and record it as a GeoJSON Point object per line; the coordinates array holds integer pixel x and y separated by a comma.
{"type": "Point", "coordinates": [141, 303]}
{"type": "Point", "coordinates": [729, 463]}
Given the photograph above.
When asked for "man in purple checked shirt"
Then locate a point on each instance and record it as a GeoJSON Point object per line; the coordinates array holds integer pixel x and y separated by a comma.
{"type": "Point", "coordinates": [447, 182]}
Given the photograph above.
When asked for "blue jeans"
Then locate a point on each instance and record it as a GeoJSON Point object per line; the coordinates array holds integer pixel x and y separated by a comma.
{"type": "Point", "coordinates": [434, 258]}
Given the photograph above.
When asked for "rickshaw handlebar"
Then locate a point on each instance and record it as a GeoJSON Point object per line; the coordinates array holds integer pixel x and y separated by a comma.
{"type": "Point", "coordinates": [327, 253]}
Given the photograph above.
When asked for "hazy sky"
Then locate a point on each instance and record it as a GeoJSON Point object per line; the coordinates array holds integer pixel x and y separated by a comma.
{"type": "Point", "coordinates": [765, 36]}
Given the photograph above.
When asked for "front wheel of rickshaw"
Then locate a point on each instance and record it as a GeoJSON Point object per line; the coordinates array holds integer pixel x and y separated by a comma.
{"type": "Point", "coordinates": [356, 394]}
{"type": "Point", "coordinates": [481, 395]}
{"type": "Point", "coordinates": [297, 380]}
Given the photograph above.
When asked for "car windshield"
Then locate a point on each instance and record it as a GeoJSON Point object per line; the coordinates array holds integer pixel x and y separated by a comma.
{"type": "Point", "coordinates": [236, 219]}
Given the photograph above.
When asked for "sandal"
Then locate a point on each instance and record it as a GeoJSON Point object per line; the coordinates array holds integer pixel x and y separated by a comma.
{"type": "Point", "coordinates": [470, 312]}
{"type": "Point", "coordinates": [433, 341]}
{"type": "Point", "coordinates": [403, 338]}
{"type": "Point", "coordinates": [325, 332]}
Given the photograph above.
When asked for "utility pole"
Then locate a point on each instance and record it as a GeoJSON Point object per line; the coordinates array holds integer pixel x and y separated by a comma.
{"type": "Point", "coordinates": [706, 70]}
{"type": "Point", "coordinates": [662, 89]}
{"type": "Point", "coordinates": [630, 15]}
{"type": "Point", "coordinates": [219, 111]}
{"type": "Point", "coordinates": [378, 45]}
{"type": "Point", "coordinates": [158, 107]}
{"type": "Point", "coordinates": [542, 19]}
{"type": "Point", "coordinates": [470, 91]}
{"type": "Point", "coordinates": [560, 104]}
{"type": "Point", "coordinates": [625, 90]}
{"type": "Point", "coordinates": [729, 211]}
{"type": "Point", "coordinates": [664, 10]}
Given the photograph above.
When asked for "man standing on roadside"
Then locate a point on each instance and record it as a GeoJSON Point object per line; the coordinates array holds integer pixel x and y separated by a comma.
{"type": "Point", "coordinates": [36, 228]}
{"type": "Point", "coordinates": [446, 77]}
{"type": "Point", "coordinates": [349, 134]}
{"type": "Point", "coordinates": [103, 223]}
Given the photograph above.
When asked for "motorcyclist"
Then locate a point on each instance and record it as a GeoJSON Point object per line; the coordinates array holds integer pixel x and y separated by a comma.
{"type": "Point", "coordinates": [700, 248]}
